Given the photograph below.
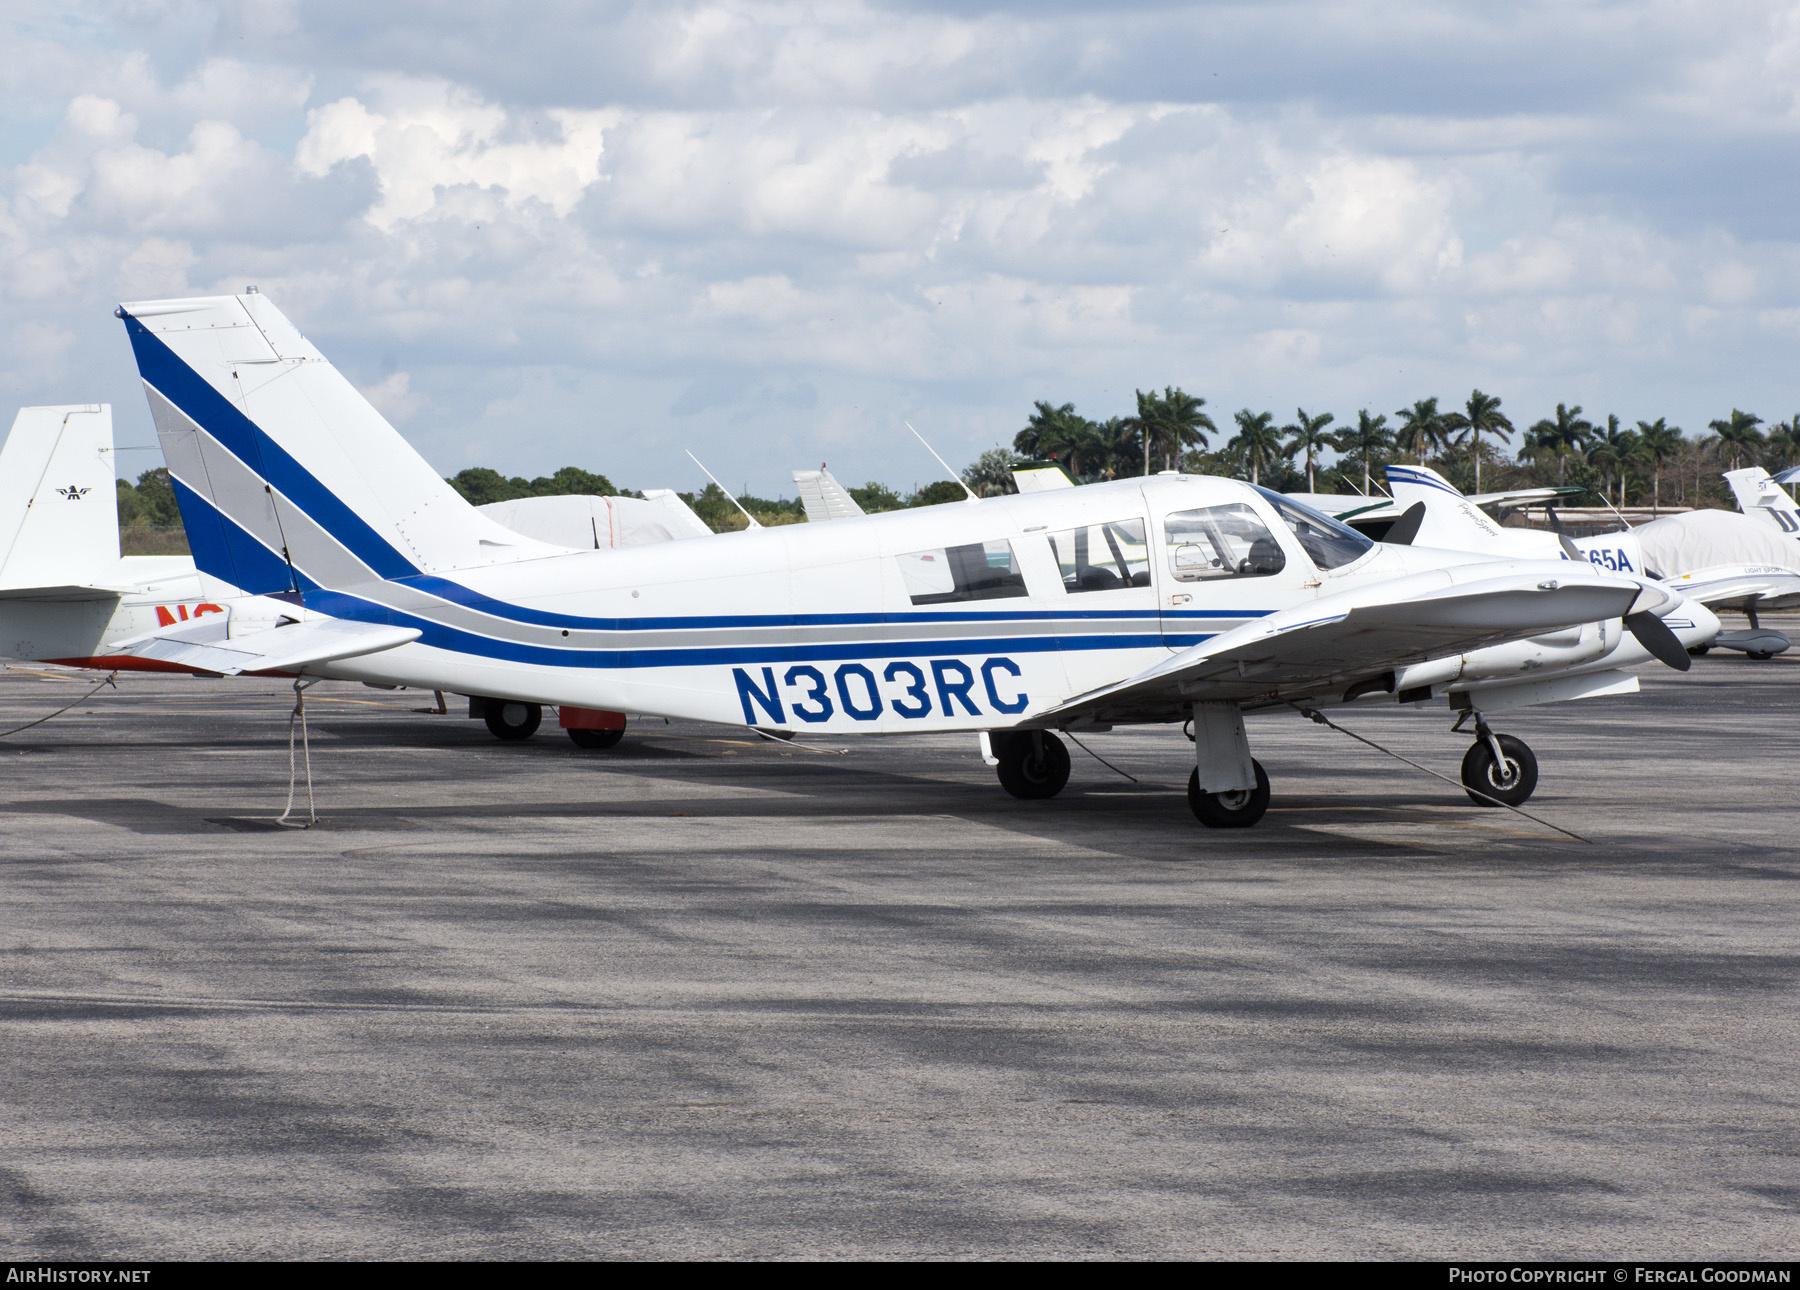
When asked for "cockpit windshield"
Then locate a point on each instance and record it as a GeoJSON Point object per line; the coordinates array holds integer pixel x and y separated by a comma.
{"type": "Point", "coordinates": [1331, 545]}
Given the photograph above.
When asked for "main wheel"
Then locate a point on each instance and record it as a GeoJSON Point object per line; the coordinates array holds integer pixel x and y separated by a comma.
{"type": "Point", "coordinates": [509, 720]}
{"type": "Point", "coordinates": [1512, 782]}
{"type": "Point", "coordinates": [596, 738]}
{"type": "Point", "coordinates": [1235, 810]}
{"type": "Point", "coordinates": [1032, 765]}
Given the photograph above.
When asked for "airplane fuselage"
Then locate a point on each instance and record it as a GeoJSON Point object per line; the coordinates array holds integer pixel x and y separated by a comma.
{"type": "Point", "coordinates": [841, 626]}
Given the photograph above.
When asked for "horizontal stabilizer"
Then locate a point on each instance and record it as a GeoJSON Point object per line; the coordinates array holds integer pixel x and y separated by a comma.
{"type": "Point", "coordinates": [206, 644]}
{"type": "Point", "coordinates": [63, 593]}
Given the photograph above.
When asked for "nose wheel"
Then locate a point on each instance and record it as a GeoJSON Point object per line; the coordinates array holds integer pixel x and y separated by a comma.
{"type": "Point", "coordinates": [1499, 766]}
{"type": "Point", "coordinates": [1234, 810]}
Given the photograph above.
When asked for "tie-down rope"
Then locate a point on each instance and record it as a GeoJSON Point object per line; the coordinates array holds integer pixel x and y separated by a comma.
{"type": "Point", "coordinates": [1315, 715]}
{"type": "Point", "coordinates": [110, 679]}
{"type": "Point", "coordinates": [286, 819]}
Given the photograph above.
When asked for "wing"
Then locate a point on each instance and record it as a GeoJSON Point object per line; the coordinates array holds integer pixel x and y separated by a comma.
{"type": "Point", "coordinates": [1763, 587]}
{"type": "Point", "coordinates": [206, 644]}
{"type": "Point", "coordinates": [1334, 642]}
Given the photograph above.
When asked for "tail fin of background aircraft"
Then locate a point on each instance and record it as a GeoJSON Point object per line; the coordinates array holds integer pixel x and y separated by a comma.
{"type": "Point", "coordinates": [59, 506]}
{"type": "Point", "coordinates": [823, 497]}
{"type": "Point", "coordinates": [288, 478]}
{"type": "Point", "coordinates": [1451, 521]}
{"type": "Point", "coordinates": [1761, 498]}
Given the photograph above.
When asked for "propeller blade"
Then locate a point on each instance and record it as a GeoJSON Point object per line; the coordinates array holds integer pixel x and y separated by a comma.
{"type": "Point", "coordinates": [1569, 548]}
{"type": "Point", "coordinates": [1654, 635]}
{"type": "Point", "coordinates": [1403, 530]}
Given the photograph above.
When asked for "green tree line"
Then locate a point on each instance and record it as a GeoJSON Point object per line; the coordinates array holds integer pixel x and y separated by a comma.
{"type": "Point", "coordinates": [1476, 447]}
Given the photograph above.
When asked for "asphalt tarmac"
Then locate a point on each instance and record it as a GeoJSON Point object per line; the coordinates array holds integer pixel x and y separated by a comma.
{"type": "Point", "coordinates": [704, 995]}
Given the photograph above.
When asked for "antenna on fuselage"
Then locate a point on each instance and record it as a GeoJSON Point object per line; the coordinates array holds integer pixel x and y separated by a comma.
{"type": "Point", "coordinates": [940, 461]}
{"type": "Point", "coordinates": [722, 488]}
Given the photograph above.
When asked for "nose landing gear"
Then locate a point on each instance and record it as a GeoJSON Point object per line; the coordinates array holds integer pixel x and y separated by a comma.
{"type": "Point", "coordinates": [1498, 766]}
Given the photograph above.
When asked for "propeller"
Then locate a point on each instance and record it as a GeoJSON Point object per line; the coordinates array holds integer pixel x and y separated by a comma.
{"type": "Point", "coordinates": [1654, 635]}
{"type": "Point", "coordinates": [1570, 549]}
{"type": "Point", "coordinates": [1403, 530]}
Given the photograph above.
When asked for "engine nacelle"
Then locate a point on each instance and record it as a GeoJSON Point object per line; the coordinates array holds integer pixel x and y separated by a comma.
{"type": "Point", "coordinates": [1553, 651]}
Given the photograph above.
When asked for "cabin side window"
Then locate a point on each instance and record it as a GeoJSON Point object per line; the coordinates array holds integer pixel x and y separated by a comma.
{"type": "Point", "coordinates": [977, 571]}
{"type": "Point", "coordinates": [1221, 542]}
{"type": "Point", "coordinates": [1102, 557]}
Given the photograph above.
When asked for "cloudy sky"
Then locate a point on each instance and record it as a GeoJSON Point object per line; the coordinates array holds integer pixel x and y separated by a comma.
{"type": "Point", "coordinates": [599, 233]}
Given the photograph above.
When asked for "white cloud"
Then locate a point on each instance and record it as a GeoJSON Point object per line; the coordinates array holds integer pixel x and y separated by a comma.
{"type": "Point", "coordinates": [630, 228]}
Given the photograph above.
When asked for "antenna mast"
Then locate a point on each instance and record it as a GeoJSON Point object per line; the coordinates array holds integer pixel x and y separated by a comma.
{"type": "Point", "coordinates": [940, 461]}
{"type": "Point", "coordinates": [723, 489]}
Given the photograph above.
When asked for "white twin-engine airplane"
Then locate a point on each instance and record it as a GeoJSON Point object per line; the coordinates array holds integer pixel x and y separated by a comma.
{"type": "Point", "coordinates": [338, 552]}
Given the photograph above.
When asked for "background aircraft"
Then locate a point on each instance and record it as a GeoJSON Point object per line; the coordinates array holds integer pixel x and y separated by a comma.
{"type": "Point", "coordinates": [339, 552]}
{"type": "Point", "coordinates": [1718, 559]}
{"type": "Point", "coordinates": [65, 590]}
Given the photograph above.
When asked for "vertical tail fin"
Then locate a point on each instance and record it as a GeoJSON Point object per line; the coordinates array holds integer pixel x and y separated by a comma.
{"type": "Point", "coordinates": [1764, 500]}
{"type": "Point", "coordinates": [288, 478]}
{"type": "Point", "coordinates": [59, 506]}
{"type": "Point", "coordinates": [823, 497]}
{"type": "Point", "coordinates": [1450, 521]}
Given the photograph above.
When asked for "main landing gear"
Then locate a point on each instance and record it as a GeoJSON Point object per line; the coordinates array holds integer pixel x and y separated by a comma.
{"type": "Point", "coordinates": [512, 720]}
{"type": "Point", "coordinates": [1229, 810]}
{"type": "Point", "coordinates": [1498, 766]}
{"type": "Point", "coordinates": [508, 720]}
{"type": "Point", "coordinates": [1033, 763]}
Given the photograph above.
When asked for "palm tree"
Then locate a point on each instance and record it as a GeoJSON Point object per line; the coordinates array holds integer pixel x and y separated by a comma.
{"type": "Point", "coordinates": [1567, 433]}
{"type": "Point", "coordinates": [1482, 414]}
{"type": "Point", "coordinates": [1308, 434]}
{"type": "Point", "coordinates": [1168, 423]}
{"type": "Point", "coordinates": [1783, 442]}
{"type": "Point", "coordinates": [1059, 434]}
{"type": "Point", "coordinates": [1739, 431]}
{"type": "Point", "coordinates": [1609, 450]}
{"type": "Point", "coordinates": [1029, 440]}
{"type": "Point", "coordinates": [1661, 441]}
{"type": "Point", "coordinates": [1075, 442]}
{"type": "Point", "coordinates": [1367, 440]}
{"type": "Point", "coordinates": [1422, 428]}
{"type": "Point", "coordinates": [991, 474]}
{"type": "Point", "coordinates": [1257, 442]}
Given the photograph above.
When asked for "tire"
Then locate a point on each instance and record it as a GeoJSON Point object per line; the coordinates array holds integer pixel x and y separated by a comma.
{"type": "Point", "coordinates": [1025, 771]}
{"type": "Point", "coordinates": [1229, 810]}
{"type": "Point", "coordinates": [596, 738]}
{"type": "Point", "coordinates": [1757, 654]}
{"type": "Point", "coordinates": [1700, 651]}
{"type": "Point", "coordinates": [509, 720]}
{"type": "Point", "coordinates": [1480, 772]}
